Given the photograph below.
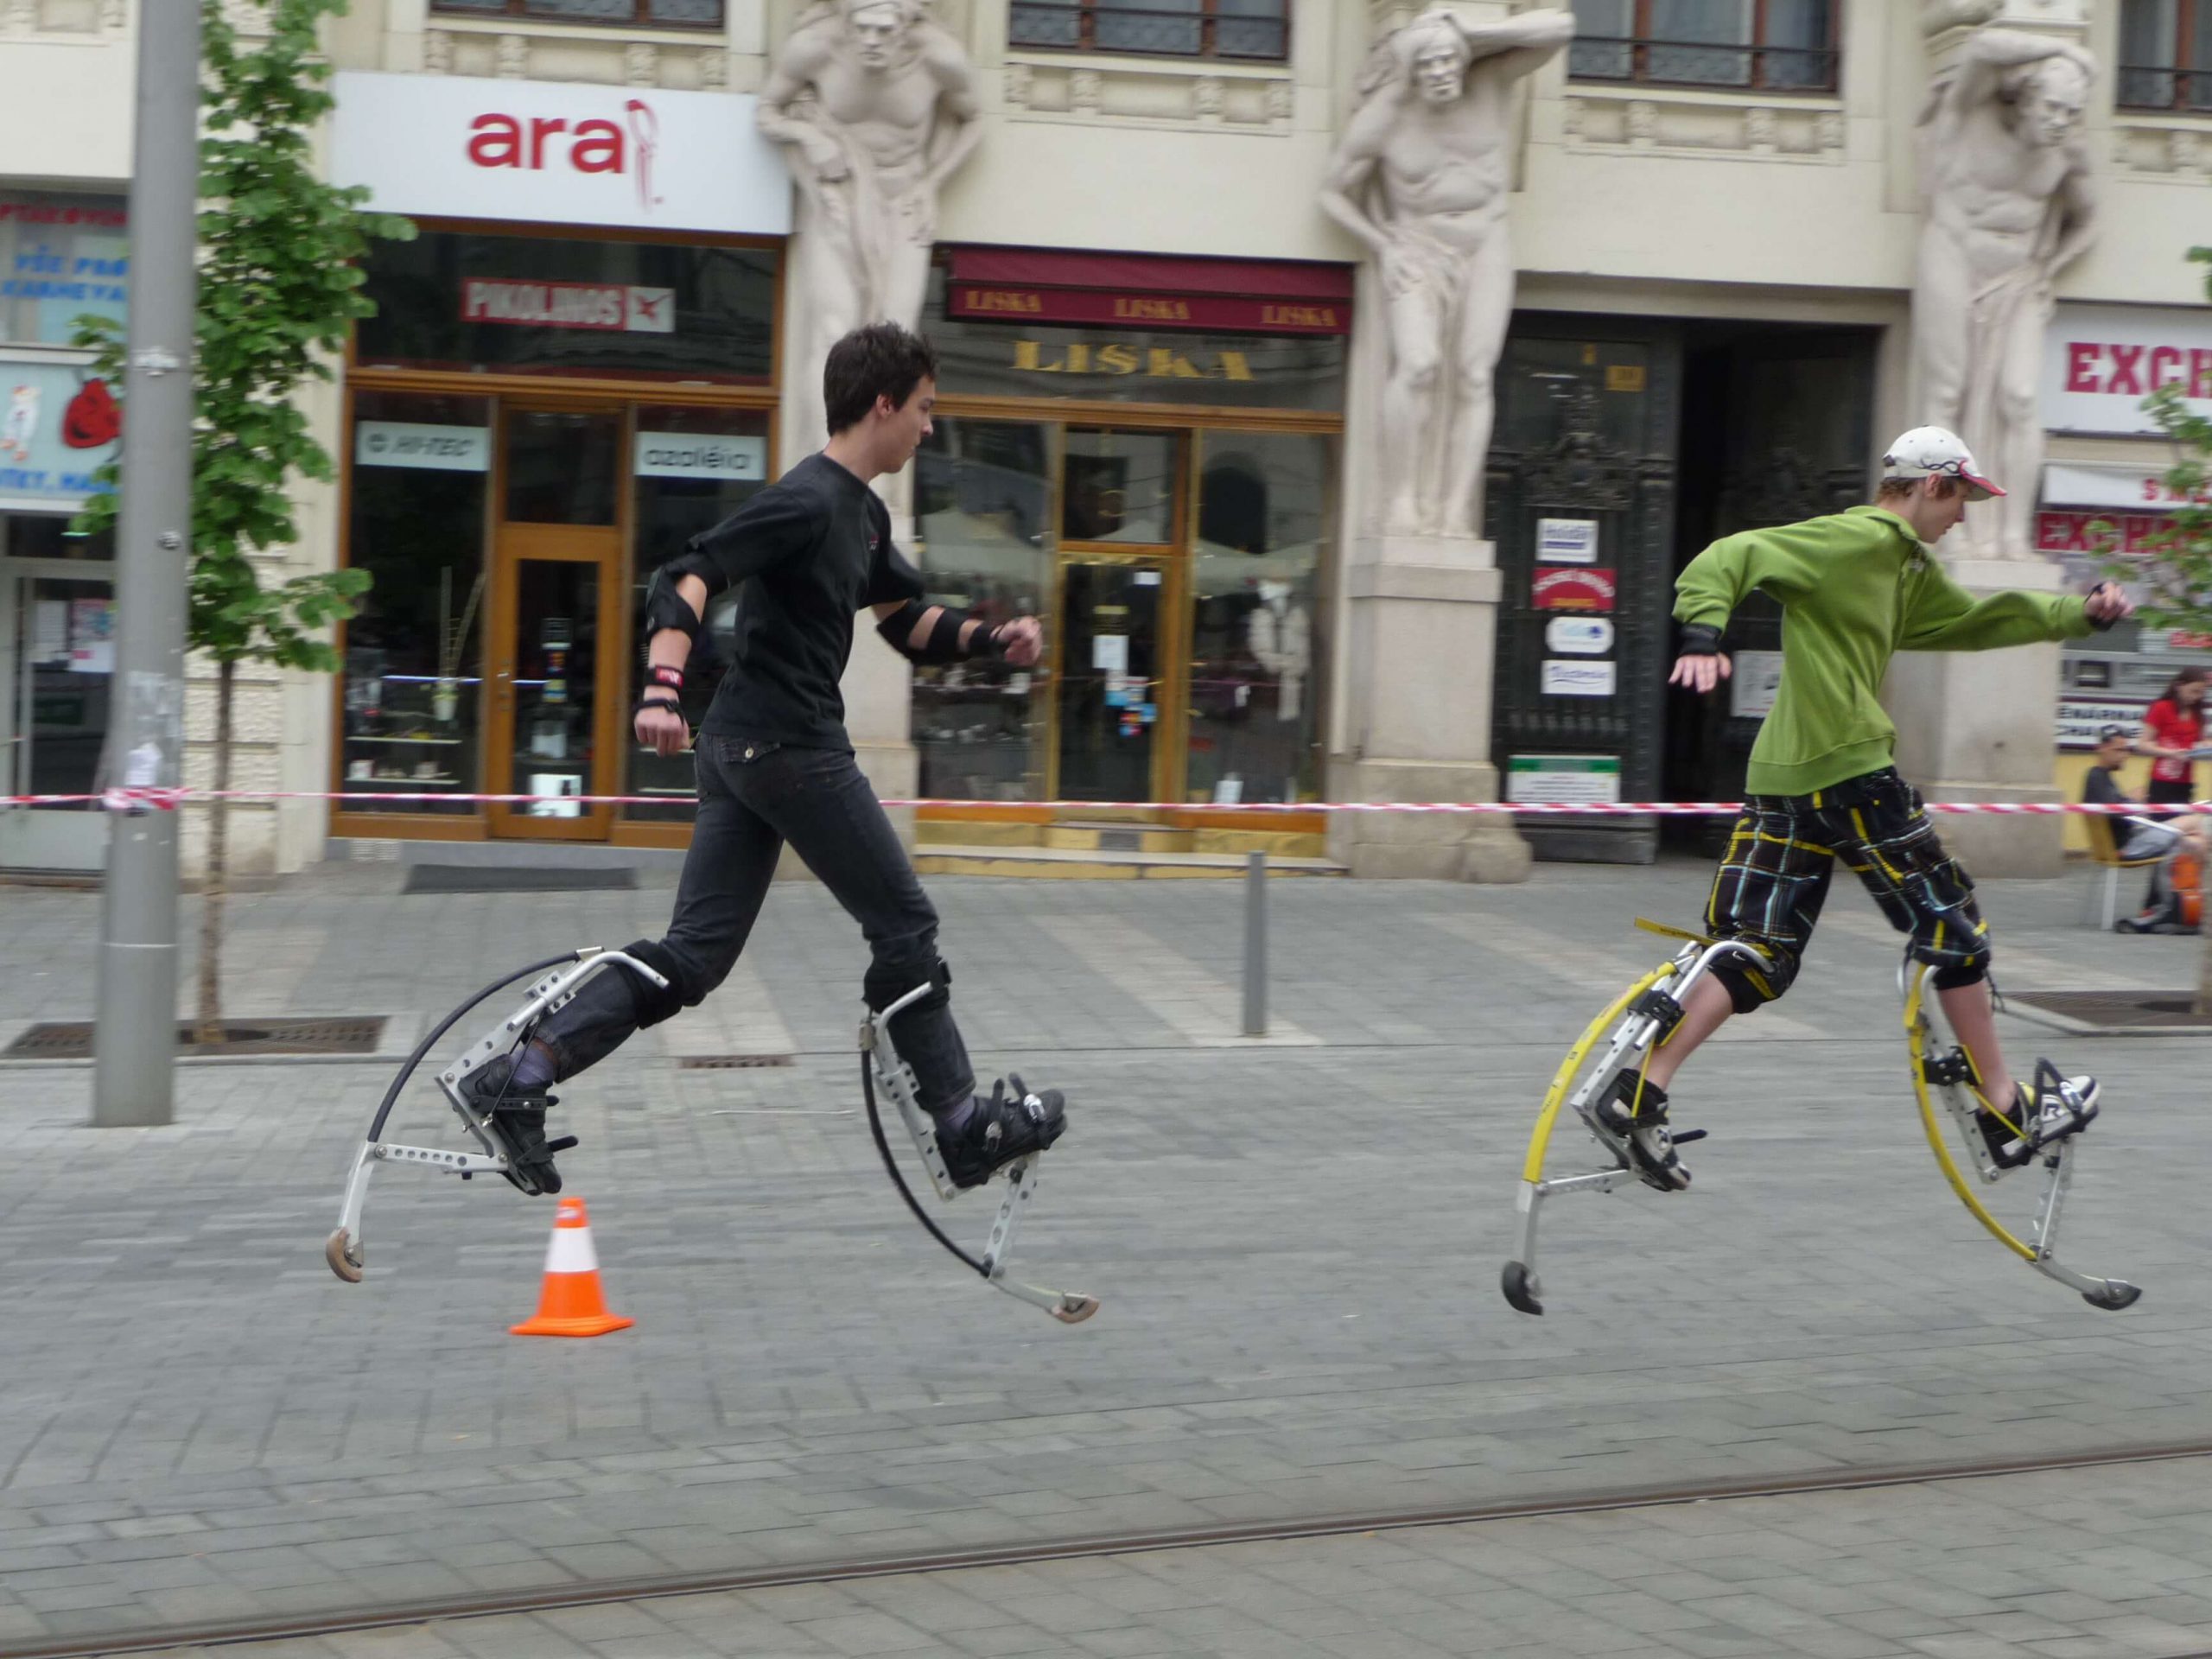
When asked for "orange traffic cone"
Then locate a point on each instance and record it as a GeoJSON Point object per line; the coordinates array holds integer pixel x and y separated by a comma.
{"type": "Point", "coordinates": [570, 1304]}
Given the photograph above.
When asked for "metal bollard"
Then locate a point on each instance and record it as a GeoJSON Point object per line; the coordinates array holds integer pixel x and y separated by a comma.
{"type": "Point", "coordinates": [1255, 944]}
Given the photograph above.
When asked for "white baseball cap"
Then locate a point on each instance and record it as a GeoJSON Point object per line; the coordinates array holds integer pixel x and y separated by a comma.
{"type": "Point", "coordinates": [1930, 452]}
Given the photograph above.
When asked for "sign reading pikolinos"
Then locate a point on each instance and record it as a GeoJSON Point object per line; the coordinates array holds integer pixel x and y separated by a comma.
{"type": "Point", "coordinates": [558, 152]}
{"type": "Point", "coordinates": [612, 306]}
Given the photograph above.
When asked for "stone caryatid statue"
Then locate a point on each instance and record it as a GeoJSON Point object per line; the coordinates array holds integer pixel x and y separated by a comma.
{"type": "Point", "coordinates": [1422, 177]}
{"type": "Point", "coordinates": [874, 103]}
{"type": "Point", "coordinates": [2007, 197]}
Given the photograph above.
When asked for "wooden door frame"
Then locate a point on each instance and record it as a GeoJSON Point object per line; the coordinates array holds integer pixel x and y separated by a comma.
{"type": "Point", "coordinates": [513, 545]}
{"type": "Point", "coordinates": [511, 542]}
{"type": "Point", "coordinates": [1171, 672]}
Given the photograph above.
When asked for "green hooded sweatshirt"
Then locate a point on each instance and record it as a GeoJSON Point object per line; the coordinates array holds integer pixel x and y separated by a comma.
{"type": "Point", "coordinates": [1855, 588]}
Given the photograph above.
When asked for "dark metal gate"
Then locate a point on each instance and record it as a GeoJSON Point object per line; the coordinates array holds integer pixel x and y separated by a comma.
{"type": "Point", "coordinates": [1581, 507]}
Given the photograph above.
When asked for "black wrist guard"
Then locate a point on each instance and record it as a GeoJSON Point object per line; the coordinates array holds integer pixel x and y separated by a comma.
{"type": "Point", "coordinates": [666, 608]}
{"type": "Point", "coordinates": [942, 644]}
{"type": "Point", "coordinates": [1700, 639]}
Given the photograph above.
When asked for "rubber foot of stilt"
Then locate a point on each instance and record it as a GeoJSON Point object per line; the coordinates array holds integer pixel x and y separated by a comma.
{"type": "Point", "coordinates": [343, 1262]}
{"type": "Point", "coordinates": [1520, 1287]}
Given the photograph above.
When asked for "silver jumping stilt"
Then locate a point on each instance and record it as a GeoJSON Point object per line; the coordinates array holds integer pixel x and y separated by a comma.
{"type": "Point", "coordinates": [560, 976]}
{"type": "Point", "coordinates": [881, 1068]}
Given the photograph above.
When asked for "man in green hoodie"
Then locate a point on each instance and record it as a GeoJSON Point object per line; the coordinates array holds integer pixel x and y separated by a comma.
{"type": "Point", "coordinates": [1855, 588]}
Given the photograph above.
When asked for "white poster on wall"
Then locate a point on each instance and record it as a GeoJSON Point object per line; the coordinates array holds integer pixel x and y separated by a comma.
{"type": "Point", "coordinates": [1576, 778]}
{"type": "Point", "coordinates": [1566, 541]}
{"type": "Point", "coordinates": [1578, 636]}
{"type": "Point", "coordinates": [1584, 679]}
{"type": "Point", "coordinates": [558, 152]}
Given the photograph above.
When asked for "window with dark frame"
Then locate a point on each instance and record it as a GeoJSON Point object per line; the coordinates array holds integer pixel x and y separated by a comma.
{"type": "Point", "coordinates": [2165, 55]}
{"type": "Point", "coordinates": [1785, 46]}
{"type": "Point", "coordinates": [645, 14]}
{"type": "Point", "coordinates": [1254, 31]}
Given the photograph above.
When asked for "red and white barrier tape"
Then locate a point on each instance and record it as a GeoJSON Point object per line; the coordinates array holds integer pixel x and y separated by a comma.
{"type": "Point", "coordinates": [167, 800]}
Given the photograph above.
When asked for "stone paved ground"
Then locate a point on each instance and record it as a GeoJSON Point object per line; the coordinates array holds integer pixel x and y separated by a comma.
{"type": "Point", "coordinates": [2098, 1564]}
{"type": "Point", "coordinates": [1297, 1242]}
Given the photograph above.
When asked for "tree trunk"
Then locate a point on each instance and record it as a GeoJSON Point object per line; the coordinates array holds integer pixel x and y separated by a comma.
{"type": "Point", "coordinates": [211, 889]}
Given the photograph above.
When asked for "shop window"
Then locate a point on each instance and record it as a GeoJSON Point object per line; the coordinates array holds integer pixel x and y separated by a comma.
{"type": "Point", "coordinates": [982, 505]}
{"type": "Point", "coordinates": [414, 676]}
{"type": "Point", "coordinates": [652, 13]}
{"type": "Point", "coordinates": [554, 306]}
{"type": "Point", "coordinates": [693, 467]}
{"type": "Point", "coordinates": [1120, 487]}
{"type": "Point", "coordinates": [61, 256]}
{"type": "Point", "coordinates": [2165, 54]}
{"type": "Point", "coordinates": [1264, 517]}
{"type": "Point", "coordinates": [1757, 45]}
{"type": "Point", "coordinates": [1255, 29]}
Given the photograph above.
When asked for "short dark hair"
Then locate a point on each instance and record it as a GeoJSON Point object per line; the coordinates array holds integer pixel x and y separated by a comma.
{"type": "Point", "coordinates": [882, 360]}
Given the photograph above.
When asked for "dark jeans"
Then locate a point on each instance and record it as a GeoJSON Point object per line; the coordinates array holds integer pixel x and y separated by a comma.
{"type": "Point", "coordinates": [753, 798]}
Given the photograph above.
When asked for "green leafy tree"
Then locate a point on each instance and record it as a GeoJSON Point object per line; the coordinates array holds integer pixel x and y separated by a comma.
{"type": "Point", "coordinates": [279, 285]}
{"type": "Point", "coordinates": [2173, 570]}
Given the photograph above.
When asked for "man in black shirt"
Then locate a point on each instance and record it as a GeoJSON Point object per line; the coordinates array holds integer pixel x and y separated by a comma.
{"type": "Point", "coordinates": [2135, 838]}
{"type": "Point", "coordinates": [775, 766]}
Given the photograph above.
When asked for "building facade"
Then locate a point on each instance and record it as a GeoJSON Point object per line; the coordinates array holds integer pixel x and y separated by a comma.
{"type": "Point", "coordinates": [65, 166]}
{"type": "Point", "coordinates": [1159, 407]}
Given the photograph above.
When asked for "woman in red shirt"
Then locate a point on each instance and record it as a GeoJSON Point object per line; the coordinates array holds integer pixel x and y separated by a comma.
{"type": "Point", "coordinates": [2172, 727]}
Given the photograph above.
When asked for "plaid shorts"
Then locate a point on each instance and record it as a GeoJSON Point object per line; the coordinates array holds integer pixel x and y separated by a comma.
{"type": "Point", "coordinates": [1774, 878]}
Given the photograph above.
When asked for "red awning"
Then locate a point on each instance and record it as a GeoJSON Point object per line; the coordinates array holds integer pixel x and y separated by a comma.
{"type": "Point", "coordinates": [1136, 291]}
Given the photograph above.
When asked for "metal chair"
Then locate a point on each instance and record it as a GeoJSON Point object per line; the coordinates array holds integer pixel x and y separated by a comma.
{"type": "Point", "coordinates": [2104, 852]}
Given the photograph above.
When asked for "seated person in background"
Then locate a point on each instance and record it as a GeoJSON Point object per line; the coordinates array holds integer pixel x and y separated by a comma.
{"type": "Point", "coordinates": [2140, 838]}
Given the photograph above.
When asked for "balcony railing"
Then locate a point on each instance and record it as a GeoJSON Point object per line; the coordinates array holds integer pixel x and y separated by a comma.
{"type": "Point", "coordinates": [2147, 86]}
{"type": "Point", "coordinates": [632, 14]}
{"type": "Point", "coordinates": [1257, 30]}
{"type": "Point", "coordinates": [1705, 63]}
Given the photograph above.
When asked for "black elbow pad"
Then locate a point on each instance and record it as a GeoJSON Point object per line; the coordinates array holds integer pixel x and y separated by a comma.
{"type": "Point", "coordinates": [943, 642]}
{"type": "Point", "coordinates": [666, 608]}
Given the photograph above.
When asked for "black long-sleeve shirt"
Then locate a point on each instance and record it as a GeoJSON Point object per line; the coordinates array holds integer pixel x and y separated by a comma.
{"type": "Point", "coordinates": [805, 554]}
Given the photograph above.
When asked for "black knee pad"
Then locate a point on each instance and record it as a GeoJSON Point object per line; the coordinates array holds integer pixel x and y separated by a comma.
{"type": "Point", "coordinates": [883, 987]}
{"type": "Point", "coordinates": [1749, 988]}
{"type": "Point", "coordinates": [1954, 975]}
{"type": "Point", "coordinates": [655, 1003]}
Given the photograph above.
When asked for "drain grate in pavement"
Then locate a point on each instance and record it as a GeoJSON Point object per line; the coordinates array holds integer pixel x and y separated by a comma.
{"type": "Point", "coordinates": [731, 1062]}
{"type": "Point", "coordinates": [73, 1040]}
{"type": "Point", "coordinates": [516, 878]}
{"type": "Point", "coordinates": [2113, 1009]}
